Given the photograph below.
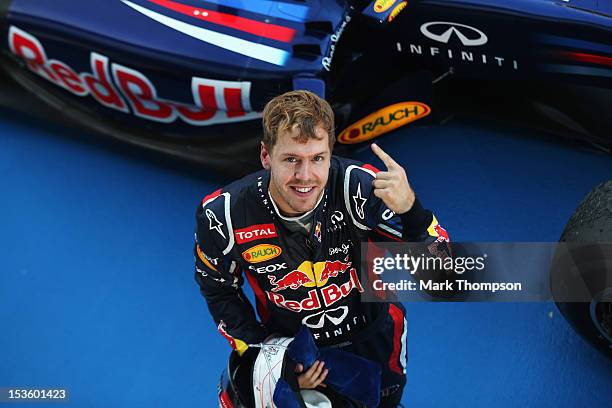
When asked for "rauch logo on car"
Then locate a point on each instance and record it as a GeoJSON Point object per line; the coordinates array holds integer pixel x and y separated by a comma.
{"type": "Point", "coordinates": [383, 121]}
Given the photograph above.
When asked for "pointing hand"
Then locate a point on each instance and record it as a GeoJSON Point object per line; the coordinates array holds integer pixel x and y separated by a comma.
{"type": "Point", "coordinates": [392, 185]}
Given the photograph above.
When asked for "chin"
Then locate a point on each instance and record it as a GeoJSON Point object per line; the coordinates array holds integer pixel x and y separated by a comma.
{"type": "Point", "coordinates": [302, 208]}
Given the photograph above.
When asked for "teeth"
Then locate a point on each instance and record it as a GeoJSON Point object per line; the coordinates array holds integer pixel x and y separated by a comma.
{"type": "Point", "coordinates": [303, 189]}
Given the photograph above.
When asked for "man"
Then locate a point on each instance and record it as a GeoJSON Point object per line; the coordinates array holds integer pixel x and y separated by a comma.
{"type": "Point", "coordinates": [294, 230]}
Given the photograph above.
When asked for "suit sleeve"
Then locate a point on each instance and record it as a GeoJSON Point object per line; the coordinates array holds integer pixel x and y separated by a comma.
{"type": "Point", "coordinates": [369, 213]}
{"type": "Point", "coordinates": [220, 278]}
{"type": "Point", "coordinates": [418, 225]}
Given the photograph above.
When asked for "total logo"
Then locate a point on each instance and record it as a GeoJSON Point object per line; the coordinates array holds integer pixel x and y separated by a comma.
{"type": "Point", "coordinates": [383, 121]}
{"type": "Point", "coordinates": [460, 40]}
{"type": "Point", "coordinates": [129, 91]}
{"type": "Point", "coordinates": [316, 298]}
{"type": "Point", "coordinates": [254, 232]}
{"type": "Point", "coordinates": [261, 253]}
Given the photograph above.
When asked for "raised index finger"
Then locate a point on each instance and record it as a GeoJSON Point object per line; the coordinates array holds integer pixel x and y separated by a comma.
{"type": "Point", "coordinates": [382, 155]}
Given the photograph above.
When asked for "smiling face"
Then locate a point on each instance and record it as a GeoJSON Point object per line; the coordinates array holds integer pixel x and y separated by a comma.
{"type": "Point", "coordinates": [298, 170]}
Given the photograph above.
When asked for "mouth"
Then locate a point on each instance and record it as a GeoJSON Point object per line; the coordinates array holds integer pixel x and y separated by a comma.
{"type": "Point", "coordinates": [303, 191]}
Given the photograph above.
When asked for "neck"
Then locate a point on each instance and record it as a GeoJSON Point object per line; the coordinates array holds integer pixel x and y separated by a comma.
{"type": "Point", "coordinates": [288, 215]}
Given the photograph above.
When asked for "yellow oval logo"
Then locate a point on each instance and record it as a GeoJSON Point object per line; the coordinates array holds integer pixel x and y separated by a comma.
{"type": "Point", "coordinates": [398, 9]}
{"type": "Point", "coordinates": [261, 253]}
{"type": "Point", "coordinates": [206, 259]}
{"type": "Point", "coordinates": [383, 5]}
{"type": "Point", "coordinates": [383, 121]}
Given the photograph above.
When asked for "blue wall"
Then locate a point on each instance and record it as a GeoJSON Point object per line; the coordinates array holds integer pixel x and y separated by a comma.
{"type": "Point", "coordinates": [97, 292]}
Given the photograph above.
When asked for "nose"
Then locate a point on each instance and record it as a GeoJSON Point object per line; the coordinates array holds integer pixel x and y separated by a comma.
{"type": "Point", "coordinates": [304, 171]}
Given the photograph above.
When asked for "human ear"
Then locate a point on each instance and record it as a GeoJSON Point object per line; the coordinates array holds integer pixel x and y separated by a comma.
{"type": "Point", "coordinates": [264, 156]}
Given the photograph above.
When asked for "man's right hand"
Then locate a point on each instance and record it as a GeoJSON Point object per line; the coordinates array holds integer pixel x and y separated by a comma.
{"type": "Point", "coordinates": [313, 377]}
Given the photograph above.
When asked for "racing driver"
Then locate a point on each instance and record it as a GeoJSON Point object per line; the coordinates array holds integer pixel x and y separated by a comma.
{"type": "Point", "coordinates": [294, 231]}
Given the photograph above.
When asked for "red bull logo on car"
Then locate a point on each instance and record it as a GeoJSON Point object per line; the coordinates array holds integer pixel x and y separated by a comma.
{"type": "Point", "coordinates": [129, 91]}
{"type": "Point", "coordinates": [261, 253]}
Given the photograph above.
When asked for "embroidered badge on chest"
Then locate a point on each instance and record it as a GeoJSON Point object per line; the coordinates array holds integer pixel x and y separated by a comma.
{"type": "Point", "coordinates": [317, 232]}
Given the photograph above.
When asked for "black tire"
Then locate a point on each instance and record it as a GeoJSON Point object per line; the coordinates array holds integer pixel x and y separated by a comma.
{"type": "Point", "coordinates": [582, 269]}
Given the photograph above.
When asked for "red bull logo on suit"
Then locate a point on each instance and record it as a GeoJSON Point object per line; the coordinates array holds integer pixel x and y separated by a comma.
{"type": "Point", "coordinates": [436, 230]}
{"type": "Point", "coordinates": [310, 276]}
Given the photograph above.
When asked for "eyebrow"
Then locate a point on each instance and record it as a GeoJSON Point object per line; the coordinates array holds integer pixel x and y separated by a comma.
{"type": "Point", "coordinates": [297, 155]}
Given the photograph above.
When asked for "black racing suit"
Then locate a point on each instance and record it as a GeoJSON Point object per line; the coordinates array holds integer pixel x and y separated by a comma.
{"type": "Point", "coordinates": [311, 280]}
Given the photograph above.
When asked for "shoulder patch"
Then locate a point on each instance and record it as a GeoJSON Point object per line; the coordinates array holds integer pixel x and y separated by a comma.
{"type": "Point", "coordinates": [357, 189]}
{"type": "Point", "coordinates": [435, 230]}
{"type": "Point", "coordinates": [211, 196]}
{"type": "Point", "coordinates": [371, 168]}
{"type": "Point", "coordinates": [216, 219]}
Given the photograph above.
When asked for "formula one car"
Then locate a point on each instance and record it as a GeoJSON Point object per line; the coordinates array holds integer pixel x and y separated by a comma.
{"type": "Point", "coordinates": [190, 77]}
{"type": "Point", "coordinates": [582, 263]}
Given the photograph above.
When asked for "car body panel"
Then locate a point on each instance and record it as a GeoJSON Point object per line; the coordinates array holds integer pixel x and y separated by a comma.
{"type": "Point", "coordinates": [191, 77]}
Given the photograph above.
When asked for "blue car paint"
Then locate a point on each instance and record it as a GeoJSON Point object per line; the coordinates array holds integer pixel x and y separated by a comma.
{"type": "Point", "coordinates": [71, 31]}
{"type": "Point", "coordinates": [116, 26]}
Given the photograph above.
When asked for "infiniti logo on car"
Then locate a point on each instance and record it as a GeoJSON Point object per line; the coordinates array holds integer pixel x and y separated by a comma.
{"type": "Point", "coordinates": [469, 36]}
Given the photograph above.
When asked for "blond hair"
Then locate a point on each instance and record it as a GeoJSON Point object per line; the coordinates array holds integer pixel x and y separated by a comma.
{"type": "Point", "coordinates": [297, 110]}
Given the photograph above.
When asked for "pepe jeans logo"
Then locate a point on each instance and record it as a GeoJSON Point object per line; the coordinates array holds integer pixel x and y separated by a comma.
{"type": "Point", "coordinates": [442, 31]}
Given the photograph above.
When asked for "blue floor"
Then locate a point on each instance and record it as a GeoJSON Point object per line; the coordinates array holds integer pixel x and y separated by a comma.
{"type": "Point", "coordinates": [96, 281]}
